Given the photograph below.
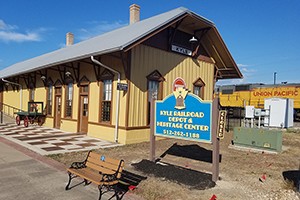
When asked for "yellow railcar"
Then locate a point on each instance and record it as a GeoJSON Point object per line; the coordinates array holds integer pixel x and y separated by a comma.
{"type": "Point", "coordinates": [235, 96]}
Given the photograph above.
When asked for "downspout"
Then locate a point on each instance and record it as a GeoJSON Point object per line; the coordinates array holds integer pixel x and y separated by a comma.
{"type": "Point", "coordinates": [20, 92]}
{"type": "Point", "coordinates": [118, 93]}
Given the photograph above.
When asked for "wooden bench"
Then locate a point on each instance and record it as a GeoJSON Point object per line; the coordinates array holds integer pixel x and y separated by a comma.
{"type": "Point", "coordinates": [101, 170]}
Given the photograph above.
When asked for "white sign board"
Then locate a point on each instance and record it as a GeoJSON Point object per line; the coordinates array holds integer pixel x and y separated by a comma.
{"type": "Point", "coordinates": [181, 50]}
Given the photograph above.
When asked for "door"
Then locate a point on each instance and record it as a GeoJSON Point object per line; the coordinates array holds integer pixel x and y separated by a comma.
{"type": "Point", "coordinates": [84, 104]}
{"type": "Point", "coordinates": [57, 112]}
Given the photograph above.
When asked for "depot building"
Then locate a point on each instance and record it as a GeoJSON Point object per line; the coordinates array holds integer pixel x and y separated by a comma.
{"type": "Point", "coordinates": [102, 86]}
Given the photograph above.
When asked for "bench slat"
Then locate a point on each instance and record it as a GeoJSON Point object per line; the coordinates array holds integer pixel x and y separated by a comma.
{"type": "Point", "coordinates": [103, 164]}
{"type": "Point", "coordinates": [96, 163]}
{"type": "Point", "coordinates": [91, 176]}
{"type": "Point", "coordinates": [87, 174]}
{"type": "Point", "coordinates": [109, 160]}
{"type": "Point", "coordinates": [100, 168]}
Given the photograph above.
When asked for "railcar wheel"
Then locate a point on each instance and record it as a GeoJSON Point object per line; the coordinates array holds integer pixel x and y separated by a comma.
{"type": "Point", "coordinates": [18, 120]}
{"type": "Point", "coordinates": [26, 121]}
{"type": "Point", "coordinates": [40, 121]}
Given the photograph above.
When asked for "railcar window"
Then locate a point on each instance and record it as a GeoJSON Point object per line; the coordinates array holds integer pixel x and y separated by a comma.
{"type": "Point", "coordinates": [241, 87]}
{"type": "Point", "coordinates": [227, 91]}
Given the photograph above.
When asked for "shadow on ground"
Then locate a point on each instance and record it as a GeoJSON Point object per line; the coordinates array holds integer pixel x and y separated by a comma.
{"type": "Point", "coordinates": [194, 152]}
{"type": "Point", "coordinates": [292, 176]}
{"type": "Point", "coordinates": [193, 179]}
{"type": "Point", "coordinates": [130, 179]}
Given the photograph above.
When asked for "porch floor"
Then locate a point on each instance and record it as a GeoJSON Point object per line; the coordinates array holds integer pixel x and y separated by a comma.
{"type": "Point", "coordinates": [45, 140]}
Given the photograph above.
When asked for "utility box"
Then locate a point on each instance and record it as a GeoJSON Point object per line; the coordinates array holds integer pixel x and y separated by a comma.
{"type": "Point", "coordinates": [257, 112]}
{"type": "Point", "coordinates": [264, 139]}
{"type": "Point", "coordinates": [281, 112]}
{"type": "Point", "coordinates": [249, 112]}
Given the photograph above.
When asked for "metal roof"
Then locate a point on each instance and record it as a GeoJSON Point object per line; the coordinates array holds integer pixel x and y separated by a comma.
{"type": "Point", "coordinates": [105, 43]}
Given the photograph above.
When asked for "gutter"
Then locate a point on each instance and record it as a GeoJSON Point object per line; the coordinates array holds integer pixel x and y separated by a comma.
{"type": "Point", "coordinates": [118, 93]}
{"type": "Point", "coordinates": [20, 92]}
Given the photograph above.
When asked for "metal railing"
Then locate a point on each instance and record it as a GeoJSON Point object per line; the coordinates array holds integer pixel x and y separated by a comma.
{"type": "Point", "coordinates": [9, 110]}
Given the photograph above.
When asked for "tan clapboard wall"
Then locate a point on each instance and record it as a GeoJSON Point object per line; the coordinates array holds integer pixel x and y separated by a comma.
{"type": "Point", "coordinates": [171, 65]}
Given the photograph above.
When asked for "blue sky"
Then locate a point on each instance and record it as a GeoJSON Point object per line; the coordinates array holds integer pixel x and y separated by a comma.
{"type": "Point", "coordinates": [263, 36]}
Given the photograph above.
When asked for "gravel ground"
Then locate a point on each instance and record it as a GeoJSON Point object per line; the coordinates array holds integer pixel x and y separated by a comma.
{"type": "Point", "coordinates": [241, 171]}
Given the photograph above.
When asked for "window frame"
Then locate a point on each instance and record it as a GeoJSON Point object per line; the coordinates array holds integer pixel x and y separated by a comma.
{"type": "Point", "coordinates": [48, 85]}
{"type": "Point", "coordinates": [69, 81]}
{"type": "Point", "coordinates": [31, 92]}
{"type": "Point", "coordinates": [199, 83]}
{"type": "Point", "coordinates": [106, 75]}
{"type": "Point", "coordinates": [154, 76]}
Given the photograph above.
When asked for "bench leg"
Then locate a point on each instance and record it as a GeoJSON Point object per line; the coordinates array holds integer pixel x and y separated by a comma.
{"type": "Point", "coordinates": [86, 182]}
{"type": "Point", "coordinates": [100, 190]}
{"type": "Point", "coordinates": [70, 178]}
{"type": "Point", "coordinates": [116, 191]}
{"type": "Point", "coordinates": [110, 188]}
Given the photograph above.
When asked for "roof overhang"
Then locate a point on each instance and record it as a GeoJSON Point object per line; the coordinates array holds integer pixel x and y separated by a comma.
{"type": "Point", "coordinates": [136, 33]}
{"type": "Point", "coordinates": [211, 41]}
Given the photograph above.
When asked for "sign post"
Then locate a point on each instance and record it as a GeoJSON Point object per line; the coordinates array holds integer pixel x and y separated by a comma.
{"type": "Point", "coordinates": [216, 141]}
{"type": "Point", "coordinates": [182, 115]}
{"type": "Point", "coordinates": [152, 136]}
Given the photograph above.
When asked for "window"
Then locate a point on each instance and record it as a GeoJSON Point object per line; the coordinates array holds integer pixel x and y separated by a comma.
{"type": "Point", "coordinates": [84, 88]}
{"type": "Point", "coordinates": [69, 97]}
{"type": "Point", "coordinates": [106, 100]}
{"type": "Point", "coordinates": [153, 89]}
{"type": "Point", "coordinates": [199, 88]}
{"type": "Point", "coordinates": [49, 100]}
{"type": "Point", "coordinates": [58, 90]}
{"type": "Point", "coordinates": [31, 94]}
{"type": "Point", "coordinates": [106, 95]}
{"type": "Point", "coordinates": [155, 82]}
{"type": "Point", "coordinates": [31, 98]}
{"type": "Point", "coordinates": [49, 85]}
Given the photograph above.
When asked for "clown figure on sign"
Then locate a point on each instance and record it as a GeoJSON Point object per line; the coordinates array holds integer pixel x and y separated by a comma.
{"type": "Point", "coordinates": [180, 93]}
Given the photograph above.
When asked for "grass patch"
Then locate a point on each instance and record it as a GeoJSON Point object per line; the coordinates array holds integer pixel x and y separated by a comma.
{"type": "Point", "coordinates": [174, 181]}
{"type": "Point", "coordinates": [292, 130]}
{"type": "Point", "coordinates": [289, 185]}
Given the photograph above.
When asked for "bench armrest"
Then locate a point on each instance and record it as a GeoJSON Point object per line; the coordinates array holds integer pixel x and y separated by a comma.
{"type": "Point", "coordinates": [109, 177]}
{"type": "Point", "coordinates": [78, 165]}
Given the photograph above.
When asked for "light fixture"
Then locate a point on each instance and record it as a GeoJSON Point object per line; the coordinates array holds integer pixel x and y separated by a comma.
{"type": "Point", "coordinates": [68, 73]}
{"type": "Point", "coordinates": [7, 84]}
{"type": "Point", "coordinates": [193, 40]}
{"type": "Point", "coordinates": [43, 77]}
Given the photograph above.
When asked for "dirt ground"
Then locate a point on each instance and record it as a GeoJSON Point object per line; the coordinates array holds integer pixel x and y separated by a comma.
{"type": "Point", "coordinates": [241, 171]}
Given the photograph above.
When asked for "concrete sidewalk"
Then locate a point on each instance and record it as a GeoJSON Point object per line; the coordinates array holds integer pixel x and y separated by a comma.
{"type": "Point", "coordinates": [25, 174]}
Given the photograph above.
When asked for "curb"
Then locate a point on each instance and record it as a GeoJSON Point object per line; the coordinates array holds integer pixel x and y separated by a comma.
{"type": "Point", "coordinates": [53, 163]}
